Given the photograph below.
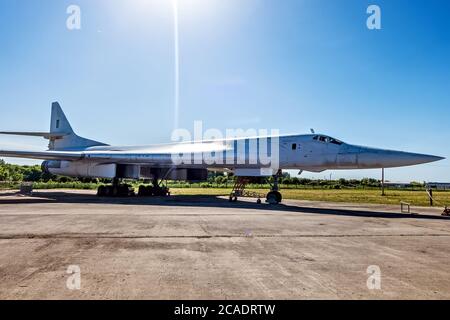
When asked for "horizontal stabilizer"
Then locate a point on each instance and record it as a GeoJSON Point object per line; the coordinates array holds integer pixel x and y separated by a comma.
{"type": "Point", "coordinates": [45, 135]}
{"type": "Point", "coordinates": [43, 155]}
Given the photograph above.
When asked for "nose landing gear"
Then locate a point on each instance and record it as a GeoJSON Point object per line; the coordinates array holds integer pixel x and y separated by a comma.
{"type": "Point", "coordinates": [274, 196]}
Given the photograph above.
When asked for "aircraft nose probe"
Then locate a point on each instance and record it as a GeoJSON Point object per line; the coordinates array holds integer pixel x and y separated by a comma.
{"type": "Point", "coordinates": [379, 158]}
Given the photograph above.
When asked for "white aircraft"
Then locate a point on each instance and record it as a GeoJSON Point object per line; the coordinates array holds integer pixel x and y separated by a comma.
{"type": "Point", "coordinates": [74, 156]}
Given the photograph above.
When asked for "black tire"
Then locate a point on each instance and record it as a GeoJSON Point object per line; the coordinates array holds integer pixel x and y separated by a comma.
{"type": "Point", "coordinates": [279, 196]}
{"type": "Point", "coordinates": [273, 198]}
{"type": "Point", "coordinates": [108, 191]}
{"type": "Point", "coordinates": [258, 201]}
{"type": "Point", "coordinates": [124, 191]}
{"type": "Point", "coordinates": [101, 191]}
{"type": "Point", "coordinates": [115, 191]}
{"type": "Point", "coordinates": [161, 192]}
{"type": "Point", "coordinates": [142, 191]}
{"type": "Point", "coordinates": [145, 191]}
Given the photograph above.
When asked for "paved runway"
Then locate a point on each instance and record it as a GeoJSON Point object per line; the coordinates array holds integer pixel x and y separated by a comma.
{"type": "Point", "coordinates": [207, 248]}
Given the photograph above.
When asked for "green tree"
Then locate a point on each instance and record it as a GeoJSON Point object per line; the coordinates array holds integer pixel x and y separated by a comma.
{"type": "Point", "coordinates": [32, 174]}
{"type": "Point", "coordinates": [3, 173]}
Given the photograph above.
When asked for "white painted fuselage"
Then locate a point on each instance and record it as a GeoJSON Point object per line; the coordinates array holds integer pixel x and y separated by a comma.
{"type": "Point", "coordinates": [72, 155]}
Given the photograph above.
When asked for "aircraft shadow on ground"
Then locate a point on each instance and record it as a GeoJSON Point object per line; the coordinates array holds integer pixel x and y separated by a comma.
{"type": "Point", "coordinates": [200, 201]}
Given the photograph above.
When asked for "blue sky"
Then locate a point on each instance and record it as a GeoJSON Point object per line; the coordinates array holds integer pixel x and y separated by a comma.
{"type": "Point", "coordinates": [290, 65]}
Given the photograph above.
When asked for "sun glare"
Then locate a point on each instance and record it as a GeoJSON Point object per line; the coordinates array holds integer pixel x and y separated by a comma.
{"type": "Point", "coordinates": [188, 7]}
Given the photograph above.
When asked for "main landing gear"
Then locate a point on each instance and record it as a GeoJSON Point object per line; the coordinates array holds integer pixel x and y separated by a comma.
{"type": "Point", "coordinates": [116, 190]}
{"type": "Point", "coordinates": [156, 189]}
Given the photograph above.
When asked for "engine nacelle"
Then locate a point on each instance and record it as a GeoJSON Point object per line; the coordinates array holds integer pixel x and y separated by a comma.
{"type": "Point", "coordinates": [191, 175]}
{"type": "Point", "coordinates": [110, 171]}
{"type": "Point", "coordinates": [80, 169]}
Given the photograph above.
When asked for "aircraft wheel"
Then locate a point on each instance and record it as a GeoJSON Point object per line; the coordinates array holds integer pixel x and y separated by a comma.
{"type": "Point", "coordinates": [152, 191]}
{"type": "Point", "coordinates": [101, 191]}
{"type": "Point", "coordinates": [258, 201]}
{"type": "Point", "coordinates": [166, 192]}
{"type": "Point", "coordinates": [141, 191]}
{"type": "Point", "coordinates": [124, 190]}
{"type": "Point", "coordinates": [115, 191]}
{"type": "Point", "coordinates": [108, 191]}
{"type": "Point", "coordinates": [279, 196]}
{"type": "Point", "coordinates": [273, 198]}
{"type": "Point", "coordinates": [161, 192]}
{"type": "Point", "coordinates": [145, 191]}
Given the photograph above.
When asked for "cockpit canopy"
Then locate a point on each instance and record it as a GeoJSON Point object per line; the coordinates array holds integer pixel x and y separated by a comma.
{"type": "Point", "coordinates": [326, 139]}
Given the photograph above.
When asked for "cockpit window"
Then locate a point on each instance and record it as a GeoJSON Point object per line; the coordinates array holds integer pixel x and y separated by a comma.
{"type": "Point", "coordinates": [335, 141]}
{"type": "Point", "coordinates": [327, 140]}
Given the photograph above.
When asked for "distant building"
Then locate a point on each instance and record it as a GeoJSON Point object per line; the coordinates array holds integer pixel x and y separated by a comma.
{"type": "Point", "coordinates": [439, 185]}
{"type": "Point", "coordinates": [400, 185]}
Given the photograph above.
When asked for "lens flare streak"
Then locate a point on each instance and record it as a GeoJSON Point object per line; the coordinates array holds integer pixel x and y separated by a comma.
{"type": "Point", "coordinates": [177, 64]}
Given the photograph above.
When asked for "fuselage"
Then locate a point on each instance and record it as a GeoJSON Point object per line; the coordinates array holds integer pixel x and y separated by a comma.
{"type": "Point", "coordinates": [312, 152]}
{"type": "Point", "coordinates": [72, 155]}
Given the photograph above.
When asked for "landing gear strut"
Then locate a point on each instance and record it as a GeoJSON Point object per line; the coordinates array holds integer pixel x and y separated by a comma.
{"type": "Point", "coordinates": [115, 190]}
{"type": "Point", "coordinates": [274, 196]}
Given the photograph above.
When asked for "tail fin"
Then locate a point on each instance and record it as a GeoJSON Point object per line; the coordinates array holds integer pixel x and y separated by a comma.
{"type": "Point", "coordinates": [59, 122]}
{"type": "Point", "coordinates": [62, 136]}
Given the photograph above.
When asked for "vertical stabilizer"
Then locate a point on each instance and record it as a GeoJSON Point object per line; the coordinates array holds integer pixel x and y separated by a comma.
{"type": "Point", "coordinates": [62, 136]}
{"type": "Point", "coordinates": [59, 122]}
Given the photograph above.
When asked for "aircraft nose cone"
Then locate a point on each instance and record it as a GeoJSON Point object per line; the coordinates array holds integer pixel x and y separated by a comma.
{"type": "Point", "coordinates": [423, 158]}
{"type": "Point", "coordinates": [376, 158]}
{"type": "Point", "coordinates": [435, 158]}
